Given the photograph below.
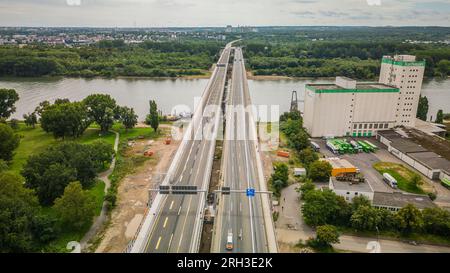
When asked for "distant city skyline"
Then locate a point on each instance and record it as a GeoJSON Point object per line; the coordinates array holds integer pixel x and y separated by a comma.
{"type": "Point", "coordinates": [215, 13]}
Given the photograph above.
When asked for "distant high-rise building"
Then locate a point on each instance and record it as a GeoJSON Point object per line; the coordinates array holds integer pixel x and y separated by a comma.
{"type": "Point", "coordinates": [405, 73]}
{"type": "Point", "coordinates": [229, 29]}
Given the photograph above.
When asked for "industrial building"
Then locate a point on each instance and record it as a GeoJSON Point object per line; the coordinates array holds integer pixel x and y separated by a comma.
{"type": "Point", "coordinates": [405, 73]}
{"type": "Point", "coordinates": [426, 162]}
{"type": "Point", "coordinates": [350, 190]}
{"type": "Point", "coordinates": [394, 201]}
{"type": "Point", "coordinates": [349, 108]}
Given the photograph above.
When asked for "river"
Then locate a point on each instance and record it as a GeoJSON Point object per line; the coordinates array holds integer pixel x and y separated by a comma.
{"type": "Point", "coordinates": [178, 94]}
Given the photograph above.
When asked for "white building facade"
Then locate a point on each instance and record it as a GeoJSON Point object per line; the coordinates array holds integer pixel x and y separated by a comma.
{"type": "Point", "coordinates": [405, 73]}
{"type": "Point", "coordinates": [347, 108]}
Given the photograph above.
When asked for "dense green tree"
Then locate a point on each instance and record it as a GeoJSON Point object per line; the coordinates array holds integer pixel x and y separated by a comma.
{"type": "Point", "coordinates": [291, 127]}
{"type": "Point", "coordinates": [50, 171]}
{"type": "Point", "coordinates": [44, 228]}
{"type": "Point", "coordinates": [436, 221]}
{"type": "Point", "coordinates": [9, 141]}
{"type": "Point", "coordinates": [76, 207]}
{"type": "Point", "coordinates": [280, 176]}
{"type": "Point", "coordinates": [128, 117]}
{"type": "Point", "coordinates": [443, 68]}
{"type": "Point", "coordinates": [101, 153]}
{"type": "Point", "coordinates": [294, 115]}
{"type": "Point", "coordinates": [359, 201]}
{"type": "Point", "coordinates": [8, 98]}
{"type": "Point", "coordinates": [409, 219]}
{"type": "Point", "coordinates": [325, 207]}
{"type": "Point", "coordinates": [320, 170]}
{"type": "Point", "coordinates": [327, 235]}
{"type": "Point", "coordinates": [65, 119]}
{"type": "Point", "coordinates": [18, 206]}
{"type": "Point", "coordinates": [299, 141]}
{"type": "Point", "coordinates": [3, 165]}
{"type": "Point", "coordinates": [422, 108]}
{"type": "Point", "coordinates": [439, 116]}
{"type": "Point", "coordinates": [365, 218]}
{"type": "Point", "coordinates": [306, 187]}
{"type": "Point", "coordinates": [41, 107]}
{"type": "Point", "coordinates": [30, 119]}
{"type": "Point", "coordinates": [307, 156]}
{"type": "Point", "coordinates": [153, 118]}
{"type": "Point", "coordinates": [100, 108]}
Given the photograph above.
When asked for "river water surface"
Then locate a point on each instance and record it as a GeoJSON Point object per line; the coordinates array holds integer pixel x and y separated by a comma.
{"type": "Point", "coordinates": [178, 94]}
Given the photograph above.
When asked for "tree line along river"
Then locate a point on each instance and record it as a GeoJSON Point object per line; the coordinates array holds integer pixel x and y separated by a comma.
{"type": "Point", "coordinates": [178, 95]}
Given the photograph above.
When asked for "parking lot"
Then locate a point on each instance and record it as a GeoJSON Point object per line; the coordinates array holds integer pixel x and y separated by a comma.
{"type": "Point", "coordinates": [364, 161]}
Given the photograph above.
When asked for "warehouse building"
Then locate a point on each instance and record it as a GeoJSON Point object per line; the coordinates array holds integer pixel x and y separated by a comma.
{"type": "Point", "coordinates": [426, 162]}
{"type": "Point", "coordinates": [350, 190]}
{"type": "Point", "coordinates": [394, 201]}
{"type": "Point", "coordinates": [349, 108]}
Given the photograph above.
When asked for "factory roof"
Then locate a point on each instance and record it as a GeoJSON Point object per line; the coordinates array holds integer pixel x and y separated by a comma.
{"type": "Point", "coordinates": [431, 160]}
{"type": "Point", "coordinates": [338, 163]}
{"type": "Point", "coordinates": [349, 186]}
{"type": "Point", "coordinates": [389, 134]}
{"type": "Point", "coordinates": [406, 146]}
{"type": "Point", "coordinates": [366, 87]}
{"type": "Point", "coordinates": [399, 200]}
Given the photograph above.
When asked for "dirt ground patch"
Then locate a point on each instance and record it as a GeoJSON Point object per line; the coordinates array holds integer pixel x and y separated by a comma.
{"type": "Point", "coordinates": [133, 192]}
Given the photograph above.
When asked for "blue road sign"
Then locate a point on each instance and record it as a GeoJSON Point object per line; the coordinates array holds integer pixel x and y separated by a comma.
{"type": "Point", "coordinates": [250, 192]}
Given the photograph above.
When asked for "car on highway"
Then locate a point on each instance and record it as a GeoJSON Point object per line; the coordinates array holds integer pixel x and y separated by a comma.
{"type": "Point", "coordinates": [229, 245]}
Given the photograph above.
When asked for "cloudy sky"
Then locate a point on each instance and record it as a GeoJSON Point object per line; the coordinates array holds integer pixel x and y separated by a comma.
{"type": "Point", "coordinates": [161, 13]}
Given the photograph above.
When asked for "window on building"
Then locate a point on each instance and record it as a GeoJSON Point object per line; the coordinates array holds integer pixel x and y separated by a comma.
{"type": "Point", "coordinates": [370, 126]}
{"type": "Point", "coordinates": [355, 126]}
{"type": "Point", "coordinates": [365, 126]}
{"type": "Point", "coordinates": [386, 125]}
{"type": "Point", "coordinates": [375, 126]}
{"type": "Point", "coordinates": [360, 126]}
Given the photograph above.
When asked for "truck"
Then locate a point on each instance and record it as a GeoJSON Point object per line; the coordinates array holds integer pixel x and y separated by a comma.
{"type": "Point", "coordinates": [374, 147]}
{"type": "Point", "coordinates": [315, 146]}
{"type": "Point", "coordinates": [366, 148]}
{"type": "Point", "coordinates": [332, 148]}
{"type": "Point", "coordinates": [229, 245]}
{"type": "Point", "coordinates": [356, 146]}
{"type": "Point", "coordinates": [391, 181]}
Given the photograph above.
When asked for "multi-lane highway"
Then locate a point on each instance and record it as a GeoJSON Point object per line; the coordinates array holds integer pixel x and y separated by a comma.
{"type": "Point", "coordinates": [240, 216]}
{"type": "Point", "coordinates": [176, 226]}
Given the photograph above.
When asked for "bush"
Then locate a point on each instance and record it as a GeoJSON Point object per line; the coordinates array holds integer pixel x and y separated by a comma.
{"type": "Point", "coordinates": [320, 170]}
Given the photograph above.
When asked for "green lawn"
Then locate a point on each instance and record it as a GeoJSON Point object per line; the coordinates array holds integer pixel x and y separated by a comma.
{"type": "Point", "coordinates": [31, 141]}
{"type": "Point", "coordinates": [402, 174]}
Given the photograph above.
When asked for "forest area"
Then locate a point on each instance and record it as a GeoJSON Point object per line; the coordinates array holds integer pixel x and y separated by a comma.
{"type": "Point", "coordinates": [110, 59]}
{"type": "Point", "coordinates": [282, 51]}
{"type": "Point", "coordinates": [356, 59]}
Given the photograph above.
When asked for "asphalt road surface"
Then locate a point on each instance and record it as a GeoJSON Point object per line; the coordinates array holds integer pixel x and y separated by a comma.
{"type": "Point", "coordinates": [173, 229]}
{"type": "Point", "coordinates": [239, 215]}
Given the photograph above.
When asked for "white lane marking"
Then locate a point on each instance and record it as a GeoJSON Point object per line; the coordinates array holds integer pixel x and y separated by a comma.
{"type": "Point", "coordinates": [165, 222]}
{"type": "Point", "coordinates": [157, 244]}
{"type": "Point", "coordinates": [179, 210]}
{"type": "Point", "coordinates": [184, 224]}
{"type": "Point", "coordinates": [171, 205]}
{"type": "Point", "coordinates": [170, 243]}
